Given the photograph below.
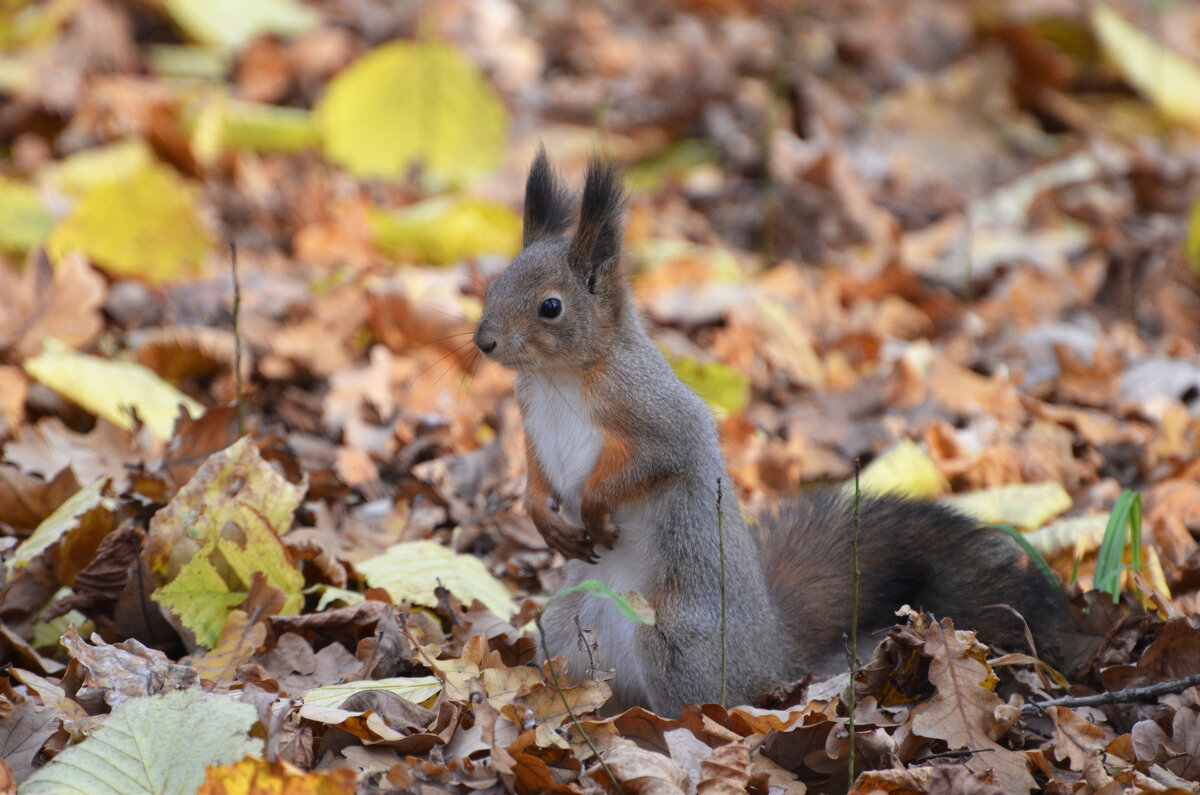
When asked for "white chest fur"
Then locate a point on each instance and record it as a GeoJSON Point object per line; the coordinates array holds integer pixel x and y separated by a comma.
{"type": "Point", "coordinates": [560, 427]}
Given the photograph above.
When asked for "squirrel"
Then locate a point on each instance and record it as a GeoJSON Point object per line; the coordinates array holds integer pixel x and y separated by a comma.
{"type": "Point", "coordinates": [623, 470]}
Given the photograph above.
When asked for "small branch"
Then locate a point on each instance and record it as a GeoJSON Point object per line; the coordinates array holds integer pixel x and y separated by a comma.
{"type": "Point", "coordinates": [586, 646]}
{"type": "Point", "coordinates": [854, 615]}
{"type": "Point", "coordinates": [237, 338]}
{"type": "Point", "coordinates": [721, 542]}
{"type": "Point", "coordinates": [1120, 696]}
{"type": "Point", "coordinates": [562, 695]}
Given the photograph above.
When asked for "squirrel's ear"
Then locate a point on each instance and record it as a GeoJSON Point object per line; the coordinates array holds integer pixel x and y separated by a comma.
{"type": "Point", "coordinates": [547, 204]}
{"type": "Point", "coordinates": [597, 244]}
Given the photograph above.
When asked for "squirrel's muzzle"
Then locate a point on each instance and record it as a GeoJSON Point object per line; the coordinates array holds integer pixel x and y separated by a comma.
{"type": "Point", "coordinates": [485, 337]}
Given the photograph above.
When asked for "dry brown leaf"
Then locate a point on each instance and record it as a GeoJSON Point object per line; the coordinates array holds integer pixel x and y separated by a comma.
{"type": "Point", "coordinates": [126, 670]}
{"type": "Point", "coordinates": [22, 734]}
{"type": "Point", "coordinates": [61, 302]}
{"type": "Point", "coordinates": [1075, 737]}
{"type": "Point", "coordinates": [962, 713]}
{"type": "Point", "coordinates": [642, 771]}
{"type": "Point", "coordinates": [726, 770]}
{"type": "Point", "coordinates": [239, 640]}
{"type": "Point", "coordinates": [49, 447]}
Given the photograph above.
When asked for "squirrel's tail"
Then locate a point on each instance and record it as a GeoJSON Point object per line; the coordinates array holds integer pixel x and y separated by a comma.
{"type": "Point", "coordinates": [910, 552]}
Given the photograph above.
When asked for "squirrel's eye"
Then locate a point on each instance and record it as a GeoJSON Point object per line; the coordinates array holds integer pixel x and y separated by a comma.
{"type": "Point", "coordinates": [550, 308]}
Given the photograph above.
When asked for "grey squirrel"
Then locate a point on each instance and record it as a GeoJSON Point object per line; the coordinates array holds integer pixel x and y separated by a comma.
{"type": "Point", "coordinates": [623, 466]}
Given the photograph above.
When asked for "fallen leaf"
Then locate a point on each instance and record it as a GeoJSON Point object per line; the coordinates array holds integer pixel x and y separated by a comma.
{"type": "Point", "coordinates": [232, 25]}
{"type": "Point", "coordinates": [445, 230]}
{"type": "Point", "coordinates": [61, 302]}
{"type": "Point", "coordinates": [22, 733]}
{"type": "Point", "coordinates": [126, 671]}
{"type": "Point", "coordinates": [146, 224]}
{"type": "Point", "coordinates": [233, 486]}
{"type": "Point", "coordinates": [1022, 505]}
{"type": "Point", "coordinates": [158, 745]}
{"type": "Point", "coordinates": [416, 689]}
{"type": "Point", "coordinates": [112, 390]}
{"type": "Point", "coordinates": [1171, 81]}
{"type": "Point", "coordinates": [413, 570]}
{"type": "Point", "coordinates": [77, 526]}
{"type": "Point", "coordinates": [368, 111]}
{"type": "Point", "coordinates": [962, 713]}
{"type": "Point", "coordinates": [238, 642]}
{"type": "Point", "coordinates": [260, 777]}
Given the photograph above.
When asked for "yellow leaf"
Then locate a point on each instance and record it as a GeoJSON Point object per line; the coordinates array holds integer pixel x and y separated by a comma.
{"type": "Point", "coordinates": [1084, 534]}
{"type": "Point", "coordinates": [445, 230]}
{"type": "Point", "coordinates": [1169, 80]}
{"type": "Point", "coordinates": [409, 102]}
{"type": "Point", "coordinates": [260, 777]}
{"type": "Point", "coordinates": [1191, 244]}
{"type": "Point", "coordinates": [724, 389]}
{"type": "Point", "coordinates": [142, 224]}
{"type": "Point", "coordinates": [412, 570]}
{"type": "Point", "coordinates": [112, 390]}
{"type": "Point", "coordinates": [411, 688]}
{"type": "Point", "coordinates": [218, 530]}
{"type": "Point", "coordinates": [238, 642]}
{"type": "Point", "coordinates": [232, 24]}
{"type": "Point", "coordinates": [1022, 505]}
{"type": "Point", "coordinates": [24, 219]}
{"type": "Point", "coordinates": [223, 123]}
{"type": "Point", "coordinates": [219, 577]}
{"type": "Point", "coordinates": [83, 171]}
{"type": "Point", "coordinates": [232, 488]}
{"type": "Point", "coordinates": [905, 469]}
{"type": "Point", "coordinates": [70, 517]}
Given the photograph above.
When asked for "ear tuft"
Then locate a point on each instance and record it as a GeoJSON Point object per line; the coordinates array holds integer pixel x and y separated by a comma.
{"type": "Point", "coordinates": [547, 203]}
{"type": "Point", "coordinates": [597, 243]}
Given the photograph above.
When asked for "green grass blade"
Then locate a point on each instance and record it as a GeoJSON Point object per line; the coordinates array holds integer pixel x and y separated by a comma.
{"type": "Point", "coordinates": [1034, 555]}
{"type": "Point", "coordinates": [632, 606]}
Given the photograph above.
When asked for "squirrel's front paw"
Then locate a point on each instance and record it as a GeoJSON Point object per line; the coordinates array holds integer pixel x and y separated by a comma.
{"type": "Point", "coordinates": [570, 541]}
{"type": "Point", "coordinates": [600, 528]}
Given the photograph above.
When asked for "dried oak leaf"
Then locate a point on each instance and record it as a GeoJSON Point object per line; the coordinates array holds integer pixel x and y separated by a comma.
{"type": "Point", "coordinates": [1178, 752]}
{"type": "Point", "coordinates": [49, 447]}
{"type": "Point", "coordinates": [963, 711]}
{"type": "Point", "coordinates": [62, 302]}
{"type": "Point", "coordinates": [1075, 737]}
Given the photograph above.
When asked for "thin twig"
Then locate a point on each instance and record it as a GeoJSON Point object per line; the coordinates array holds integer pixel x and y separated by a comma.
{"type": "Point", "coordinates": [721, 543]}
{"type": "Point", "coordinates": [562, 695]}
{"type": "Point", "coordinates": [237, 338]}
{"type": "Point", "coordinates": [1121, 696]}
{"type": "Point", "coordinates": [586, 645]}
{"type": "Point", "coordinates": [854, 616]}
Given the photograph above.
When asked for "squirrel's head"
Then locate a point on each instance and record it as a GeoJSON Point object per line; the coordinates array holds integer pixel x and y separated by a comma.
{"type": "Point", "coordinates": [558, 304]}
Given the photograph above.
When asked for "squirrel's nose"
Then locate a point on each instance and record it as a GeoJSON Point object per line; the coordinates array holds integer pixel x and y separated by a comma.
{"type": "Point", "coordinates": [484, 340]}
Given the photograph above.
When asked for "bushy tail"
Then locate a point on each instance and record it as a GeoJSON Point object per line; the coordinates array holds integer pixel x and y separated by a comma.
{"type": "Point", "coordinates": [910, 552]}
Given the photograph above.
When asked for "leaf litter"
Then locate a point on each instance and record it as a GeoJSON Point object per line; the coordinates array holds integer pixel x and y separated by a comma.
{"type": "Point", "coordinates": [955, 241]}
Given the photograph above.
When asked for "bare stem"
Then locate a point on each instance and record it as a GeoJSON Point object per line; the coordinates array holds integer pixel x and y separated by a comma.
{"type": "Point", "coordinates": [721, 543]}
{"type": "Point", "coordinates": [237, 339]}
{"type": "Point", "coordinates": [854, 616]}
{"type": "Point", "coordinates": [557, 686]}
